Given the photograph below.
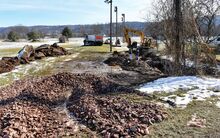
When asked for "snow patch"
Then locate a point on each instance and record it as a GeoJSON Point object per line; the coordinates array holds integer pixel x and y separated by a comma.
{"type": "Point", "coordinates": [195, 88]}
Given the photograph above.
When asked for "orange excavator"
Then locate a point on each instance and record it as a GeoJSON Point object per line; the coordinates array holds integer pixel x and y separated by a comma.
{"type": "Point", "coordinates": [144, 49]}
{"type": "Point", "coordinates": [144, 42]}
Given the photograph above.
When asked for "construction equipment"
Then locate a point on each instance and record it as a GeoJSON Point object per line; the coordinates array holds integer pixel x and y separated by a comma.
{"type": "Point", "coordinates": [144, 49]}
{"type": "Point", "coordinates": [143, 40]}
{"type": "Point", "coordinates": [93, 40]}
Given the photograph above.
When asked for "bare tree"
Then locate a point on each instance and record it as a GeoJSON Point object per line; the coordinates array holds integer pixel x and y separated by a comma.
{"type": "Point", "coordinates": [205, 12]}
{"type": "Point", "coordinates": [185, 26]}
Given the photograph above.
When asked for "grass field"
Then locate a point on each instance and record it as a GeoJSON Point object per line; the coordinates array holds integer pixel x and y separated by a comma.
{"type": "Point", "coordinates": [176, 124]}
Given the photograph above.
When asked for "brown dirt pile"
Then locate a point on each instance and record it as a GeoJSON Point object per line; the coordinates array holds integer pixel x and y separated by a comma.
{"type": "Point", "coordinates": [8, 64]}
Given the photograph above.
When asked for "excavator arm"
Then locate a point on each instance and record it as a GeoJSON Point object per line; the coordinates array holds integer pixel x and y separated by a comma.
{"type": "Point", "coordinates": [143, 40]}
{"type": "Point", "coordinates": [137, 32]}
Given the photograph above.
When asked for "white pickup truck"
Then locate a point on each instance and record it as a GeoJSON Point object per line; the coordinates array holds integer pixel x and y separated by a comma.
{"type": "Point", "coordinates": [215, 42]}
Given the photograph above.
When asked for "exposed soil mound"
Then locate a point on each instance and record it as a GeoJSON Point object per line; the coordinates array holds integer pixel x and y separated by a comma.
{"type": "Point", "coordinates": [7, 64]}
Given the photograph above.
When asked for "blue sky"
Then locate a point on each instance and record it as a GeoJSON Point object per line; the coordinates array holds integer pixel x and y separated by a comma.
{"type": "Point", "coordinates": [68, 12]}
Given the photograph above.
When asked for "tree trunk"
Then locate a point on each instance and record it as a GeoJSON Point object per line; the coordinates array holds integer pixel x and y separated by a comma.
{"type": "Point", "coordinates": [178, 43]}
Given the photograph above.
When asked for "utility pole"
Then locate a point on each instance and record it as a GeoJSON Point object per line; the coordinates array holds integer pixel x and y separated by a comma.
{"type": "Point", "coordinates": [116, 31]}
{"type": "Point", "coordinates": [110, 2]}
{"type": "Point", "coordinates": [123, 22]}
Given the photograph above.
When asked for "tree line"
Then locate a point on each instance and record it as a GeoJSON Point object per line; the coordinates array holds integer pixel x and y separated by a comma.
{"type": "Point", "coordinates": [17, 33]}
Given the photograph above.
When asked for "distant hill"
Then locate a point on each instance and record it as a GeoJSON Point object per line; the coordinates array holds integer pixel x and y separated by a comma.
{"type": "Point", "coordinates": [77, 29]}
{"type": "Point", "coordinates": [80, 30]}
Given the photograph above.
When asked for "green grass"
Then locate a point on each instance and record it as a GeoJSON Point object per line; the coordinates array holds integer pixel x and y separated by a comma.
{"type": "Point", "coordinates": [176, 125]}
{"type": "Point", "coordinates": [89, 53]}
{"type": "Point", "coordinates": [92, 49]}
{"type": "Point", "coordinates": [9, 52]}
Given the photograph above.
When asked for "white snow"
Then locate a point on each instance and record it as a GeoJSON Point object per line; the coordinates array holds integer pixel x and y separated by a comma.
{"type": "Point", "coordinates": [195, 88]}
{"type": "Point", "coordinates": [22, 43]}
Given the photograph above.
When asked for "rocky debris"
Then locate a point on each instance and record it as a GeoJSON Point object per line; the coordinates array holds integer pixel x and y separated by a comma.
{"type": "Point", "coordinates": [140, 66]}
{"type": "Point", "coordinates": [113, 116]}
{"type": "Point", "coordinates": [26, 119]}
{"type": "Point", "coordinates": [150, 63]}
{"type": "Point", "coordinates": [7, 64]}
{"type": "Point", "coordinates": [49, 50]}
{"type": "Point", "coordinates": [28, 108]}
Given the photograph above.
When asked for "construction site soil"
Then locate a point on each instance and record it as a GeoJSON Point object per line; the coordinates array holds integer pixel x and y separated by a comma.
{"type": "Point", "coordinates": [29, 108]}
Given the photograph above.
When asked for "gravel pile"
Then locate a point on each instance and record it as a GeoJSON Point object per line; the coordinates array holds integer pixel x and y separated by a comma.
{"type": "Point", "coordinates": [28, 108]}
{"type": "Point", "coordinates": [112, 116]}
{"type": "Point", "coordinates": [21, 119]}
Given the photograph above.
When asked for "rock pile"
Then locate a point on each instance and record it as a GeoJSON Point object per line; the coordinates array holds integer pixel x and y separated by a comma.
{"type": "Point", "coordinates": [28, 108]}
{"type": "Point", "coordinates": [7, 64]}
{"type": "Point", "coordinates": [139, 66]}
{"type": "Point", "coordinates": [49, 51]}
{"type": "Point", "coordinates": [22, 119]}
{"type": "Point", "coordinates": [113, 116]}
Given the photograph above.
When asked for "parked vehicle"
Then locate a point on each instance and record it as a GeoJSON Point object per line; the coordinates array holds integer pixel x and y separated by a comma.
{"type": "Point", "coordinates": [93, 40]}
